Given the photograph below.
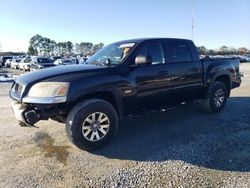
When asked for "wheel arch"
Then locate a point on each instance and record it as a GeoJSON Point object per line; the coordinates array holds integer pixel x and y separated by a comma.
{"type": "Point", "coordinates": [222, 77]}
{"type": "Point", "coordinates": [226, 79]}
{"type": "Point", "coordinates": [108, 96]}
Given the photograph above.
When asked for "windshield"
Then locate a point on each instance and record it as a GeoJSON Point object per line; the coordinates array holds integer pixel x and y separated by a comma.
{"type": "Point", "coordinates": [114, 53]}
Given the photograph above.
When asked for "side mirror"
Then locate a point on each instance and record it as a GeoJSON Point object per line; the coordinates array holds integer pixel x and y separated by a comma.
{"type": "Point", "coordinates": [108, 62]}
{"type": "Point", "coordinates": [142, 59]}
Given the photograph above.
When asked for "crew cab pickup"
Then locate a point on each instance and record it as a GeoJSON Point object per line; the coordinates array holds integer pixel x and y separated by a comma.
{"type": "Point", "coordinates": [123, 79]}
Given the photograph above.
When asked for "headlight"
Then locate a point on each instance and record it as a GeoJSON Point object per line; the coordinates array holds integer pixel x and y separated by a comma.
{"type": "Point", "coordinates": [49, 89]}
{"type": "Point", "coordinates": [47, 93]}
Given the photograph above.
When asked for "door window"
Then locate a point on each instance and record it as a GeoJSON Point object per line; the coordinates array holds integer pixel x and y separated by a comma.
{"type": "Point", "coordinates": [154, 50]}
{"type": "Point", "coordinates": [180, 52]}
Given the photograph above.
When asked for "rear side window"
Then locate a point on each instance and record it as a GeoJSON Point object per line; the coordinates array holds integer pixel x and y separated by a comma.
{"type": "Point", "coordinates": [180, 52]}
{"type": "Point", "coordinates": [154, 50]}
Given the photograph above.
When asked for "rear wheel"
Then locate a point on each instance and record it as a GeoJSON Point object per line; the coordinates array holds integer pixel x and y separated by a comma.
{"type": "Point", "coordinates": [216, 97]}
{"type": "Point", "coordinates": [92, 124]}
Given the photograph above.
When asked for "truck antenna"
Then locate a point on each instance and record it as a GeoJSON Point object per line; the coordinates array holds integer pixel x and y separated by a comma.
{"type": "Point", "coordinates": [193, 10]}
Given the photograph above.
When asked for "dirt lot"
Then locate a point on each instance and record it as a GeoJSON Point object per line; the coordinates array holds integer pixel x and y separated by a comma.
{"type": "Point", "coordinates": [184, 148]}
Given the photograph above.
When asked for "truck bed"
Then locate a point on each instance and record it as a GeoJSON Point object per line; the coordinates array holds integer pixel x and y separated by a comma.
{"type": "Point", "coordinates": [217, 66]}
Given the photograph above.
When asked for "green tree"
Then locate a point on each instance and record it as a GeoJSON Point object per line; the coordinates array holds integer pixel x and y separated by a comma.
{"type": "Point", "coordinates": [97, 47]}
{"type": "Point", "coordinates": [211, 52]}
{"type": "Point", "coordinates": [242, 50]}
{"type": "Point", "coordinates": [77, 49]}
{"type": "Point", "coordinates": [232, 50]}
{"type": "Point", "coordinates": [223, 50]}
{"type": "Point", "coordinates": [69, 47]}
{"type": "Point", "coordinates": [42, 45]}
{"type": "Point", "coordinates": [31, 50]}
{"type": "Point", "coordinates": [61, 48]}
{"type": "Point", "coordinates": [46, 46]}
{"type": "Point", "coordinates": [202, 50]}
{"type": "Point", "coordinates": [35, 41]}
{"type": "Point", "coordinates": [86, 47]}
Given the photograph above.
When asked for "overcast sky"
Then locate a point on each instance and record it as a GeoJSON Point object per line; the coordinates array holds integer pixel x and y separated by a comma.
{"type": "Point", "coordinates": [217, 22]}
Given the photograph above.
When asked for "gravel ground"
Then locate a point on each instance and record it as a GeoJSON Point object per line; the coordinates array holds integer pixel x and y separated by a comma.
{"type": "Point", "coordinates": [184, 148]}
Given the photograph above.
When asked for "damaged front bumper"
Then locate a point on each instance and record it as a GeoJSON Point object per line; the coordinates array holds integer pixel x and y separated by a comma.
{"type": "Point", "coordinates": [30, 114]}
{"type": "Point", "coordinates": [24, 115]}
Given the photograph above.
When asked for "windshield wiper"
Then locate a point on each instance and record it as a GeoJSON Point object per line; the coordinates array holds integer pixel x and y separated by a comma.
{"type": "Point", "coordinates": [106, 63]}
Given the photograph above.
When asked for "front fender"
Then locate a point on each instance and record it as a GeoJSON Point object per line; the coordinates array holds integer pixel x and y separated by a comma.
{"type": "Point", "coordinates": [99, 86]}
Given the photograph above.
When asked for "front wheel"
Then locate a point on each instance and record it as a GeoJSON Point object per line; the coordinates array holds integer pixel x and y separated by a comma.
{"type": "Point", "coordinates": [92, 124]}
{"type": "Point", "coordinates": [216, 97]}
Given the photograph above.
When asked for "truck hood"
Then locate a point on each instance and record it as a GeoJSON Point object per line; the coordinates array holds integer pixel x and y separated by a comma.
{"type": "Point", "coordinates": [48, 73]}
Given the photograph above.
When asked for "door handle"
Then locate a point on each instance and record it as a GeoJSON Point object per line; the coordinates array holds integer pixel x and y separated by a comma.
{"type": "Point", "coordinates": [183, 78]}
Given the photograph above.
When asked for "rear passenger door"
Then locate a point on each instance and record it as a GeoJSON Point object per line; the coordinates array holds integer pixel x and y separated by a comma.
{"type": "Point", "coordinates": [186, 73]}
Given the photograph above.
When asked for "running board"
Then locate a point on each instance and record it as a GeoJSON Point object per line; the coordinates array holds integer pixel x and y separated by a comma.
{"type": "Point", "coordinates": [162, 110]}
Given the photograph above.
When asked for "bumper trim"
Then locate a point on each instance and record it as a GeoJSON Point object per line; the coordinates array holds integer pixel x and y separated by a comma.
{"type": "Point", "coordinates": [45, 100]}
{"type": "Point", "coordinates": [25, 117]}
{"type": "Point", "coordinates": [18, 111]}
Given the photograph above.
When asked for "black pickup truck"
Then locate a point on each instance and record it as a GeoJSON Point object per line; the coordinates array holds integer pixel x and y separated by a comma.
{"type": "Point", "coordinates": [123, 79]}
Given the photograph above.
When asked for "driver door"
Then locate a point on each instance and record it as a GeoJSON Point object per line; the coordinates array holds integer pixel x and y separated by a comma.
{"type": "Point", "coordinates": [153, 82]}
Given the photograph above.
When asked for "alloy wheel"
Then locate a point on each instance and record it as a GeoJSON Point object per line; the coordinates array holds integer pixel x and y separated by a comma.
{"type": "Point", "coordinates": [96, 126]}
{"type": "Point", "coordinates": [219, 98]}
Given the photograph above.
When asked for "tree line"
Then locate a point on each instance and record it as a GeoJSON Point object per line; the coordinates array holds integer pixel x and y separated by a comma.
{"type": "Point", "coordinates": [224, 50]}
{"type": "Point", "coordinates": [39, 45]}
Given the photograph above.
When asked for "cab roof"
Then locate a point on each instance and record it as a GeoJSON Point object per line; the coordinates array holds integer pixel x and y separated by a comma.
{"type": "Point", "coordinates": [139, 40]}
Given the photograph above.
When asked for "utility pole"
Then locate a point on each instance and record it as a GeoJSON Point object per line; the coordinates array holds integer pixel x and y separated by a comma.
{"type": "Point", "coordinates": [193, 15]}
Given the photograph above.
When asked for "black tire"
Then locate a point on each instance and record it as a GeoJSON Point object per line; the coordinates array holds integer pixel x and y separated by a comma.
{"type": "Point", "coordinates": [210, 103]}
{"type": "Point", "coordinates": [80, 113]}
